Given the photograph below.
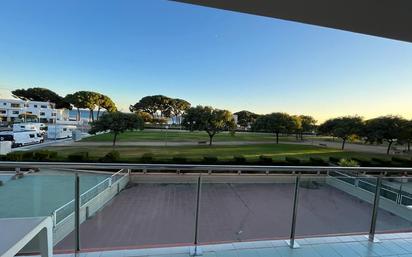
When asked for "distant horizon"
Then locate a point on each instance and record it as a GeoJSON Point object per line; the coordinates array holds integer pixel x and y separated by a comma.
{"type": "Point", "coordinates": [223, 59]}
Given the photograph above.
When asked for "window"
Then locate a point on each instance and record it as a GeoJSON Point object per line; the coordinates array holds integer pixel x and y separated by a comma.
{"type": "Point", "coordinates": [15, 105]}
{"type": "Point", "coordinates": [43, 106]}
{"type": "Point", "coordinates": [42, 114]}
{"type": "Point", "coordinates": [35, 106]}
{"type": "Point", "coordinates": [4, 103]}
{"type": "Point", "coordinates": [22, 127]}
{"type": "Point", "coordinates": [31, 135]}
{"type": "Point", "coordinates": [15, 112]}
{"type": "Point", "coordinates": [53, 114]}
{"type": "Point", "coordinates": [26, 105]}
{"type": "Point", "coordinates": [64, 129]}
{"type": "Point", "coordinates": [3, 111]}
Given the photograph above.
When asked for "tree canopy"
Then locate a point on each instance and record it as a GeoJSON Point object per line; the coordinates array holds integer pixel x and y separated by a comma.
{"type": "Point", "coordinates": [208, 119]}
{"type": "Point", "coordinates": [41, 95]}
{"type": "Point", "coordinates": [277, 122]}
{"type": "Point", "coordinates": [246, 118]}
{"type": "Point", "coordinates": [90, 100]}
{"type": "Point", "coordinates": [165, 105]}
{"type": "Point", "coordinates": [386, 128]}
{"type": "Point", "coordinates": [116, 123]}
{"type": "Point", "coordinates": [342, 127]}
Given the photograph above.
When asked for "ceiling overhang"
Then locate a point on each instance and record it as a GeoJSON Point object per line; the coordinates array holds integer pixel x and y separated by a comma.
{"type": "Point", "coordinates": [383, 18]}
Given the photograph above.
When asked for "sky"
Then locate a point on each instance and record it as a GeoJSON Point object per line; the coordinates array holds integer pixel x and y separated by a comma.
{"type": "Point", "coordinates": [132, 48]}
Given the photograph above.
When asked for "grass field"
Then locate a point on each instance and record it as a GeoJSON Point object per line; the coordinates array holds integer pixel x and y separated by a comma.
{"type": "Point", "coordinates": [252, 152]}
{"type": "Point", "coordinates": [184, 136]}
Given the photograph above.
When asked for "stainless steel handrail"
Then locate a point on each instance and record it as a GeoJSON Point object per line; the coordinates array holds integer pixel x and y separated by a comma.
{"type": "Point", "coordinates": [197, 168]}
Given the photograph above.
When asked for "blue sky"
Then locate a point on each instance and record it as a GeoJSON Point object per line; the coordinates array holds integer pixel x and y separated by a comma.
{"type": "Point", "coordinates": [129, 49]}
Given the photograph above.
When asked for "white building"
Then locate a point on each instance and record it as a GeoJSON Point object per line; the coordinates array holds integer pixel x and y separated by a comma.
{"type": "Point", "coordinates": [10, 109]}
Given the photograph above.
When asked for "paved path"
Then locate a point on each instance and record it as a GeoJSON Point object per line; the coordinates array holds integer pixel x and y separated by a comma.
{"type": "Point", "coordinates": [162, 143]}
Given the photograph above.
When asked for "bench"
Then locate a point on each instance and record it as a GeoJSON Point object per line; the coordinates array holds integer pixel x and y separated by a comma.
{"type": "Point", "coordinates": [16, 233]}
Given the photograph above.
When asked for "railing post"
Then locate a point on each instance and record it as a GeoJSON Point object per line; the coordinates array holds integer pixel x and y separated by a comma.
{"type": "Point", "coordinates": [77, 211]}
{"type": "Point", "coordinates": [375, 210]}
{"type": "Point", "coordinates": [54, 218]}
{"type": "Point", "coordinates": [196, 250]}
{"type": "Point", "coordinates": [291, 242]}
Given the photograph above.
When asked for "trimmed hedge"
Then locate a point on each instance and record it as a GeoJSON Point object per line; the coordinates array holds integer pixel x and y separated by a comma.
{"type": "Point", "coordinates": [146, 157]}
{"type": "Point", "coordinates": [78, 157]}
{"type": "Point", "coordinates": [265, 159]}
{"type": "Point", "coordinates": [317, 161]}
{"type": "Point", "coordinates": [334, 159]}
{"type": "Point", "coordinates": [44, 155]}
{"type": "Point", "coordinates": [210, 159]}
{"type": "Point", "coordinates": [179, 159]}
{"type": "Point", "coordinates": [112, 156]}
{"type": "Point", "coordinates": [292, 160]}
{"type": "Point", "coordinates": [15, 156]}
{"type": "Point", "coordinates": [239, 159]}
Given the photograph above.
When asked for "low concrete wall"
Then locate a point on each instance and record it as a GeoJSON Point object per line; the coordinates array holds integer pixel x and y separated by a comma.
{"type": "Point", "coordinates": [385, 204]}
{"type": "Point", "coordinates": [66, 226]}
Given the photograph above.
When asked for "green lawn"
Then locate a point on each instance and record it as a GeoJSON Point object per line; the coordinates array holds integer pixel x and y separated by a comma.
{"type": "Point", "coordinates": [185, 136]}
{"type": "Point", "coordinates": [252, 152]}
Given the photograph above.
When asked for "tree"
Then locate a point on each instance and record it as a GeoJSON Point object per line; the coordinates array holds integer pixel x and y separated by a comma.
{"type": "Point", "coordinates": [209, 119]}
{"type": "Point", "coordinates": [152, 104]}
{"type": "Point", "coordinates": [41, 95]}
{"type": "Point", "coordinates": [145, 116]}
{"type": "Point", "coordinates": [104, 102]}
{"type": "Point", "coordinates": [297, 126]}
{"type": "Point", "coordinates": [91, 100]}
{"type": "Point", "coordinates": [177, 107]}
{"type": "Point", "coordinates": [308, 124]}
{"type": "Point", "coordinates": [276, 123]}
{"type": "Point", "coordinates": [342, 127]}
{"type": "Point", "coordinates": [246, 118]}
{"type": "Point", "coordinates": [159, 103]}
{"type": "Point", "coordinates": [77, 100]}
{"type": "Point", "coordinates": [385, 128]}
{"type": "Point", "coordinates": [116, 123]}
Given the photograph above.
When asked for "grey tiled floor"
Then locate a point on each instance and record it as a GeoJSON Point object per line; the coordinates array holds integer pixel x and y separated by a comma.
{"type": "Point", "coordinates": [399, 245]}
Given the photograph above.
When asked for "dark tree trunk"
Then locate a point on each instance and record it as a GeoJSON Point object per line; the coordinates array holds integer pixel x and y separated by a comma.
{"type": "Point", "coordinates": [114, 139]}
{"type": "Point", "coordinates": [409, 146]}
{"type": "Point", "coordinates": [78, 114]}
{"type": "Point", "coordinates": [301, 136]}
{"type": "Point", "coordinates": [98, 112]}
{"type": "Point", "coordinates": [297, 136]}
{"type": "Point", "coordinates": [211, 134]}
{"type": "Point", "coordinates": [92, 114]}
{"type": "Point", "coordinates": [277, 137]}
{"type": "Point", "coordinates": [343, 144]}
{"type": "Point", "coordinates": [389, 147]}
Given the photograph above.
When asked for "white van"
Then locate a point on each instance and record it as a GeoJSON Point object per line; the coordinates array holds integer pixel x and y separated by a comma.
{"type": "Point", "coordinates": [22, 138]}
{"type": "Point", "coordinates": [39, 127]}
{"type": "Point", "coordinates": [60, 131]}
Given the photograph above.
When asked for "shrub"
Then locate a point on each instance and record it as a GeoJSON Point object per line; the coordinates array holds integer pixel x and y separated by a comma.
{"type": "Point", "coordinates": [403, 161]}
{"type": "Point", "coordinates": [317, 161]}
{"type": "Point", "coordinates": [239, 159]}
{"type": "Point", "coordinates": [348, 163]}
{"type": "Point", "coordinates": [15, 156]}
{"type": "Point", "coordinates": [44, 155]}
{"type": "Point", "coordinates": [147, 157]}
{"type": "Point", "coordinates": [179, 159]}
{"type": "Point", "coordinates": [265, 159]}
{"type": "Point", "coordinates": [334, 159]}
{"type": "Point", "coordinates": [78, 157]}
{"type": "Point", "coordinates": [28, 156]}
{"type": "Point", "coordinates": [112, 156]}
{"type": "Point", "coordinates": [292, 160]}
{"type": "Point", "coordinates": [210, 159]}
{"type": "Point", "coordinates": [362, 161]}
{"type": "Point", "coordinates": [383, 162]}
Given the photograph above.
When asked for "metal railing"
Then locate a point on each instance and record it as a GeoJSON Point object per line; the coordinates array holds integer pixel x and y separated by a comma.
{"type": "Point", "coordinates": [344, 174]}
{"type": "Point", "coordinates": [63, 212]}
{"type": "Point", "coordinates": [386, 191]}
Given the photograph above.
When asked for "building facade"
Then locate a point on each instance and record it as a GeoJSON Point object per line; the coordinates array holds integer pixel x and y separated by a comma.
{"type": "Point", "coordinates": [12, 110]}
